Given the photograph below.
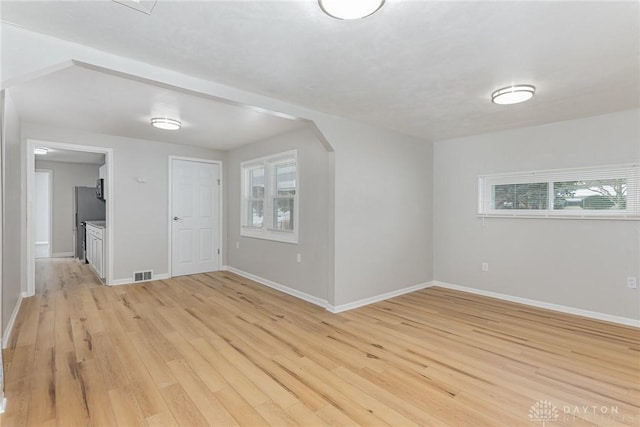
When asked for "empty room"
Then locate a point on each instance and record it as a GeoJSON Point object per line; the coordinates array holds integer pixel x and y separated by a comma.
{"type": "Point", "coordinates": [320, 213]}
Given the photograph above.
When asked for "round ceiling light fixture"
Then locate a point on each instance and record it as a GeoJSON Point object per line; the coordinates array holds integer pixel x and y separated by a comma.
{"type": "Point", "coordinates": [166, 124]}
{"type": "Point", "coordinates": [350, 9]}
{"type": "Point", "coordinates": [40, 150]}
{"type": "Point", "coordinates": [513, 94]}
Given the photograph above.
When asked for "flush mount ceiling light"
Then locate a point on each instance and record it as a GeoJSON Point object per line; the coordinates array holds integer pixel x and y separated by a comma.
{"type": "Point", "coordinates": [513, 94]}
{"type": "Point", "coordinates": [166, 124]}
{"type": "Point", "coordinates": [40, 150]}
{"type": "Point", "coordinates": [350, 9]}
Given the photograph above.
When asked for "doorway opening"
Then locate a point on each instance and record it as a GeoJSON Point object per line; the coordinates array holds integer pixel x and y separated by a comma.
{"type": "Point", "coordinates": [77, 171]}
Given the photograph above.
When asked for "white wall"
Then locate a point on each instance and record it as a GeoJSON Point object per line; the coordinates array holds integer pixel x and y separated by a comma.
{"type": "Point", "coordinates": [276, 261]}
{"type": "Point", "coordinates": [363, 266]}
{"type": "Point", "coordinates": [376, 169]}
{"type": "Point", "coordinates": [383, 220]}
{"type": "Point", "coordinates": [140, 210]}
{"type": "Point", "coordinates": [13, 276]}
{"type": "Point", "coordinates": [42, 217]}
{"type": "Point", "coordinates": [65, 177]}
{"type": "Point", "coordinates": [382, 211]}
{"type": "Point", "coordinates": [576, 263]}
{"type": "Point", "coordinates": [2, 128]}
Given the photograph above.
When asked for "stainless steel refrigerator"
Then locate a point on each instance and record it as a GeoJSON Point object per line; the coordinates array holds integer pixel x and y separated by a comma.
{"type": "Point", "coordinates": [86, 207]}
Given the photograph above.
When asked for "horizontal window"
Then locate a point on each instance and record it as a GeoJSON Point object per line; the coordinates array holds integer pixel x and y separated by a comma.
{"type": "Point", "coordinates": [604, 192]}
{"type": "Point", "coordinates": [270, 198]}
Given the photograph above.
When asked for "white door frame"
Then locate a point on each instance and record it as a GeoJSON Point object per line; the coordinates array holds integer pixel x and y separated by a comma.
{"type": "Point", "coordinates": [3, 401]}
{"type": "Point", "coordinates": [31, 177]}
{"type": "Point", "coordinates": [170, 207]}
{"type": "Point", "coordinates": [49, 173]}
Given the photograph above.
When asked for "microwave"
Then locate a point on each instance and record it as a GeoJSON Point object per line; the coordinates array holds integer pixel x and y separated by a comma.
{"type": "Point", "coordinates": [100, 189]}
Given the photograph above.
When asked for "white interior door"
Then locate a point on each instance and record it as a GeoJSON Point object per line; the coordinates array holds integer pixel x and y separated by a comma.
{"type": "Point", "coordinates": [195, 229]}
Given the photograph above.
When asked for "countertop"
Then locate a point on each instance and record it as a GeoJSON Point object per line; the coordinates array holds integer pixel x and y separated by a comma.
{"type": "Point", "coordinates": [97, 224]}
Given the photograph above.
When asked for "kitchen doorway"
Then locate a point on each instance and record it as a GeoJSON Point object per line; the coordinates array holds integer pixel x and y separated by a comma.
{"type": "Point", "coordinates": [107, 154]}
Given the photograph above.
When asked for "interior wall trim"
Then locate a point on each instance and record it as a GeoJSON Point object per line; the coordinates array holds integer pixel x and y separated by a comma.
{"type": "Point", "coordinates": [6, 335]}
{"type": "Point", "coordinates": [62, 254]}
{"type": "Point", "coordinates": [129, 280]}
{"type": "Point", "coordinates": [322, 302]}
{"type": "Point", "coordinates": [279, 287]}
{"type": "Point", "coordinates": [377, 298]}
{"type": "Point", "coordinates": [546, 305]}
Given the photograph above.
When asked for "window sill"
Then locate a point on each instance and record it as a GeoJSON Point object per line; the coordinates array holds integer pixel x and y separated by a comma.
{"type": "Point", "coordinates": [616, 217]}
{"type": "Point", "coordinates": [273, 235]}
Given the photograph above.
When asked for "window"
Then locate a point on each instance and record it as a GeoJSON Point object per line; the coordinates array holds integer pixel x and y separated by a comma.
{"type": "Point", "coordinates": [270, 198]}
{"type": "Point", "coordinates": [605, 192]}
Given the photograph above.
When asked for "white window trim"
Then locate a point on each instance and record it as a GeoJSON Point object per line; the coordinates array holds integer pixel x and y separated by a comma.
{"type": "Point", "coordinates": [629, 171]}
{"type": "Point", "coordinates": [266, 233]}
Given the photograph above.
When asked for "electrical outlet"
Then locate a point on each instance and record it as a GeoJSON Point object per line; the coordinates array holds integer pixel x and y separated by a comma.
{"type": "Point", "coordinates": [298, 257]}
{"type": "Point", "coordinates": [237, 245]}
{"type": "Point", "coordinates": [632, 282]}
{"type": "Point", "coordinates": [485, 266]}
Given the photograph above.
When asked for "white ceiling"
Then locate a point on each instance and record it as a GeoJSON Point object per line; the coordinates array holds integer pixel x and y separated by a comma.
{"type": "Point", "coordinates": [424, 68]}
{"type": "Point", "coordinates": [94, 101]}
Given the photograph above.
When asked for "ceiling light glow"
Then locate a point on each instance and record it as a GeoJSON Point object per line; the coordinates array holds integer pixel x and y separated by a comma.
{"type": "Point", "coordinates": [40, 150]}
{"type": "Point", "coordinates": [165, 124]}
{"type": "Point", "coordinates": [350, 9]}
{"type": "Point", "coordinates": [513, 94]}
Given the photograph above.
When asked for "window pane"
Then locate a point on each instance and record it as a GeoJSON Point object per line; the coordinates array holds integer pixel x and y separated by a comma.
{"type": "Point", "coordinates": [255, 213]}
{"type": "Point", "coordinates": [283, 213]}
{"type": "Point", "coordinates": [256, 183]}
{"type": "Point", "coordinates": [285, 175]}
{"type": "Point", "coordinates": [521, 196]}
{"type": "Point", "coordinates": [602, 194]}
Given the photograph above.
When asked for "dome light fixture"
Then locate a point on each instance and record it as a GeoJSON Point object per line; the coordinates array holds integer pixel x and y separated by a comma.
{"type": "Point", "coordinates": [513, 94]}
{"type": "Point", "coordinates": [40, 150]}
{"type": "Point", "coordinates": [165, 123]}
{"type": "Point", "coordinates": [350, 9]}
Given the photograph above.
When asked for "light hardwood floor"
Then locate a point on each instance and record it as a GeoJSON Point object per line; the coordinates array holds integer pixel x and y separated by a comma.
{"type": "Point", "coordinates": [217, 349]}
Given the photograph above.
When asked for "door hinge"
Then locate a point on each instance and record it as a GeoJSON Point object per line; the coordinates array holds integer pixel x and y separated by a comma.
{"type": "Point", "coordinates": [218, 251]}
{"type": "Point", "coordinates": [218, 182]}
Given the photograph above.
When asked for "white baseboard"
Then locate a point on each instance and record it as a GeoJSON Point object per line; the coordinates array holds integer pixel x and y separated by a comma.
{"type": "Point", "coordinates": [3, 405]}
{"type": "Point", "coordinates": [377, 298]}
{"type": "Point", "coordinates": [62, 255]}
{"type": "Point", "coordinates": [541, 304]}
{"type": "Point", "coordinates": [42, 250]}
{"type": "Point", "coordinates": [6, 335]}
{"type": "Point", "coordinates": [277, 286]}
{"type": "Point", "coordinates": [321, 302]}
{"type": "Point", "coordinates": [129, 280]}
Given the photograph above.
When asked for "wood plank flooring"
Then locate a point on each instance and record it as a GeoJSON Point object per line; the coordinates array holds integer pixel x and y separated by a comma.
{"type": "Point", "coordinates": [219, 350]}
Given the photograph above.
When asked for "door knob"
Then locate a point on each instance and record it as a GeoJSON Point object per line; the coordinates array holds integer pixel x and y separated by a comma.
{"type": "Point", "coordinates": [175, 218]}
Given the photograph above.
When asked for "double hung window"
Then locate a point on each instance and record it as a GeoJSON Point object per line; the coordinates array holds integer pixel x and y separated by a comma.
{"type": "Point", "coordinates": [270, 198]}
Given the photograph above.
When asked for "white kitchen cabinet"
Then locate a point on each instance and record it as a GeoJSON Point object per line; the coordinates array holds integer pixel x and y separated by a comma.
{"type": "Point", "coordinates": [89, 247]}
{"type": "Point", "coordinates": [95, 248]}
